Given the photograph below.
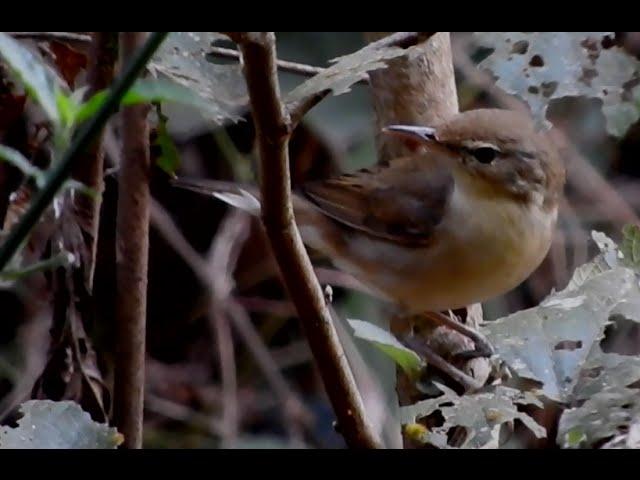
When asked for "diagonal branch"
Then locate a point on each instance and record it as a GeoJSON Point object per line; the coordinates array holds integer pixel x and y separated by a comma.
{"type": "Point", "coordinates": [273, 129]}
{"type": "Point", "coordinates": [298, 109]}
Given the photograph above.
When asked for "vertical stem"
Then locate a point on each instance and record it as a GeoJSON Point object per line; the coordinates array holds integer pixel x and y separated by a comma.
{"type": "Point", "coordinates": [413, 91]}
{"type": "Point", "coordinates": [89, 167]}
{"type": "Point", "coordinates": [273, 129]}
{"type": "Point", "coordinates": [132, 246]}
{"type": "Point", "coordinates": [63, 168]}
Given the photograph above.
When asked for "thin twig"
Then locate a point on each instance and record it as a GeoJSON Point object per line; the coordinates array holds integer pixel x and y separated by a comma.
{"type": "Point", "coordinates": [291, 404]}
{"type": "Point", "coordinates": [298, 109]}
{"type": "Point", "coordinates": [223, 256]}
{"type": "Point", "coordinates": [132, 243]}
{"type": "Point", "coordinates": [176, 411]}
{"type": "Point", "coordinates": [273, 130]}
{"type": "Point", "coordinates": [219, 52]}
{"type": "Point", "coordinates": [284, 65]}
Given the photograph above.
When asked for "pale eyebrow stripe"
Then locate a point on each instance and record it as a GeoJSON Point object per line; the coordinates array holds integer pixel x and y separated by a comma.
{"type": "Point", "coordinates": [474, 144]}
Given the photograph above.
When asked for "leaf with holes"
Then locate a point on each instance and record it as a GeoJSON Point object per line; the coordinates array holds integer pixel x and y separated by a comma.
{"type": "Point", "coordinates": [482, 414]}
{"type": "Point", "coordinates": [629, 439]}
{"type": "Point", "coordinates": [606, 414]}
{"type": "Point", "coordinates": [37, 78]}
{"type": "Point", "coordinates": [55, 425]}
{"type": "Point", "coordinates": [541, 66]}
{"type": "Point", "coordinates": [184, 59]}
{"type": "Point", "coordinates": [406, 358]}
{"type": "Point", "coordinates": [558, 342]}
{"type": "Point", "coordinates": [350, 69]}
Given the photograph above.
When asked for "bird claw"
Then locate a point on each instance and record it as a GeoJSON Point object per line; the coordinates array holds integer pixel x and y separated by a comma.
{"type": "Point", "coordinates": [483, 347]}
{"type": "Point", "coordinates": [469, 383]}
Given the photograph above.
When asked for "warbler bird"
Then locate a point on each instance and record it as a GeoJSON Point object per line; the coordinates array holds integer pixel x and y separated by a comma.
{"type": "Point", "coordinates": [467, 217]}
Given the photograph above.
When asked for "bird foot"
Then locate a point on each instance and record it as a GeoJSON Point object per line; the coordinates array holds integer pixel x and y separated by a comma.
{"type": "Point", "coordinates": [483, 347]}
{"type": "Point", "coordinates": [469, 383]}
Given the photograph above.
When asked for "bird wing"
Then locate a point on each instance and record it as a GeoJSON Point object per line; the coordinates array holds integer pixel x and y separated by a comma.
{"type": "Point", "coordinates": [403, 201]}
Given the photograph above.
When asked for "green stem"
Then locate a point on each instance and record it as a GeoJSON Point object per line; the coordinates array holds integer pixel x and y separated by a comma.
{"type": "Point", "coordinates": [48, 264]}
{"type": "Point", "coordinates": [62, 170]}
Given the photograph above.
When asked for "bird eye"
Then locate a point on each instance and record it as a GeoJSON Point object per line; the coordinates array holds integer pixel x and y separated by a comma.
{"type": "Point", "coordinates": [485, 154]}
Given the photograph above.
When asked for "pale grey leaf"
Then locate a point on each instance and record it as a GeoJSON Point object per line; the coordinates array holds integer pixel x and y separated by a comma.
{"type": "Point", "coordinates": [56, 425]}
{"type": "Point", "coordinates": [541, 66]}
{"type": "Point", "coordinates": [550, 344]}
{"type": "Point", "coordinates": [630, 439]}
{"type": "Point", "coordinates": [183, 58]}
{"type": "Point", "coordinates": [606, 414]}
{"type": "Point", "coordinates": [350, 69]}
{"type": "Point", "coordinates": [603, 371]}
{"type": "Point", "coordinates": [482, 414]}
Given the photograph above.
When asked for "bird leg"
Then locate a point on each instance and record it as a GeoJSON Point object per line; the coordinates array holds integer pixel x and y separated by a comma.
{"type": "Point", "coordinates": [469, 383]}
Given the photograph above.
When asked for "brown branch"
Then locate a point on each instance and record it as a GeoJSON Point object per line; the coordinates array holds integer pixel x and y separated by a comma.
{"type": "Point", "coordinates": [273, 129]}
{"type": "Point", "coordinates": [89, 168]}
{"type": "Point", "coordinates": [413, 91]}
{"type": "Point", "coordinates": [284, 65]}
{"type": "Point", "coordinates": [298, 109]}
{"type": "Point", "coordinates": [132, 243]}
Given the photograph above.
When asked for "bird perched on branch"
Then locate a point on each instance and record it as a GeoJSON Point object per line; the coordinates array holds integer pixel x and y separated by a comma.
{"type": "Point", "coordinates": [465, 218]}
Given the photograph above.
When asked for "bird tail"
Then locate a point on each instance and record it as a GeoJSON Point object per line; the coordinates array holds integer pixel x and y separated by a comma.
{"type": "Point", "coordinates": [245, 198]}
{"type": "Point", "coordinates": [317, 230]}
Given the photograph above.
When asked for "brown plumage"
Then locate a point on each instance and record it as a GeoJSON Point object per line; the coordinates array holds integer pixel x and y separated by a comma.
{"type": "Point", "coordinates": [465, 218]}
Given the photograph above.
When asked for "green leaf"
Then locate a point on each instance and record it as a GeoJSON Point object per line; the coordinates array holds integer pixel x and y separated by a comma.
{"type": "Point", "coordinates": [406, 358]}
{"type": "Point", "coordinates": [68, 108]}
{"type": "Point", "coordinates": [169, 159]}
{"type": "Point", "coordinates": [10, 275]}
{"type": "Point", "coordinates": [146, 91]}
{"type": "Point", "coordinates": [630, 246]}
{"type": "Point", "coordinates": [574, 438]}
{"type": "Point", "coordinates": [15, 158]}
{"type": "Point", "coordinates": [57, 425]}
{"type": "Point", "coordinates": [38, 80]}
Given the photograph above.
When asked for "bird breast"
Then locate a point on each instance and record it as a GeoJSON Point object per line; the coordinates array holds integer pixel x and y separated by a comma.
{"type": "Point", "coordinates": [483, 248]}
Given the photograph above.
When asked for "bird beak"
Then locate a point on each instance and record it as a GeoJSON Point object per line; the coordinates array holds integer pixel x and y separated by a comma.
{"type": "Point", "coordinates": [422, 134]}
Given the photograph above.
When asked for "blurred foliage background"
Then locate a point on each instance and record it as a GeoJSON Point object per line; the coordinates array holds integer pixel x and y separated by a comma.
{"type": "Point", "coordinates": [184, 395]}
